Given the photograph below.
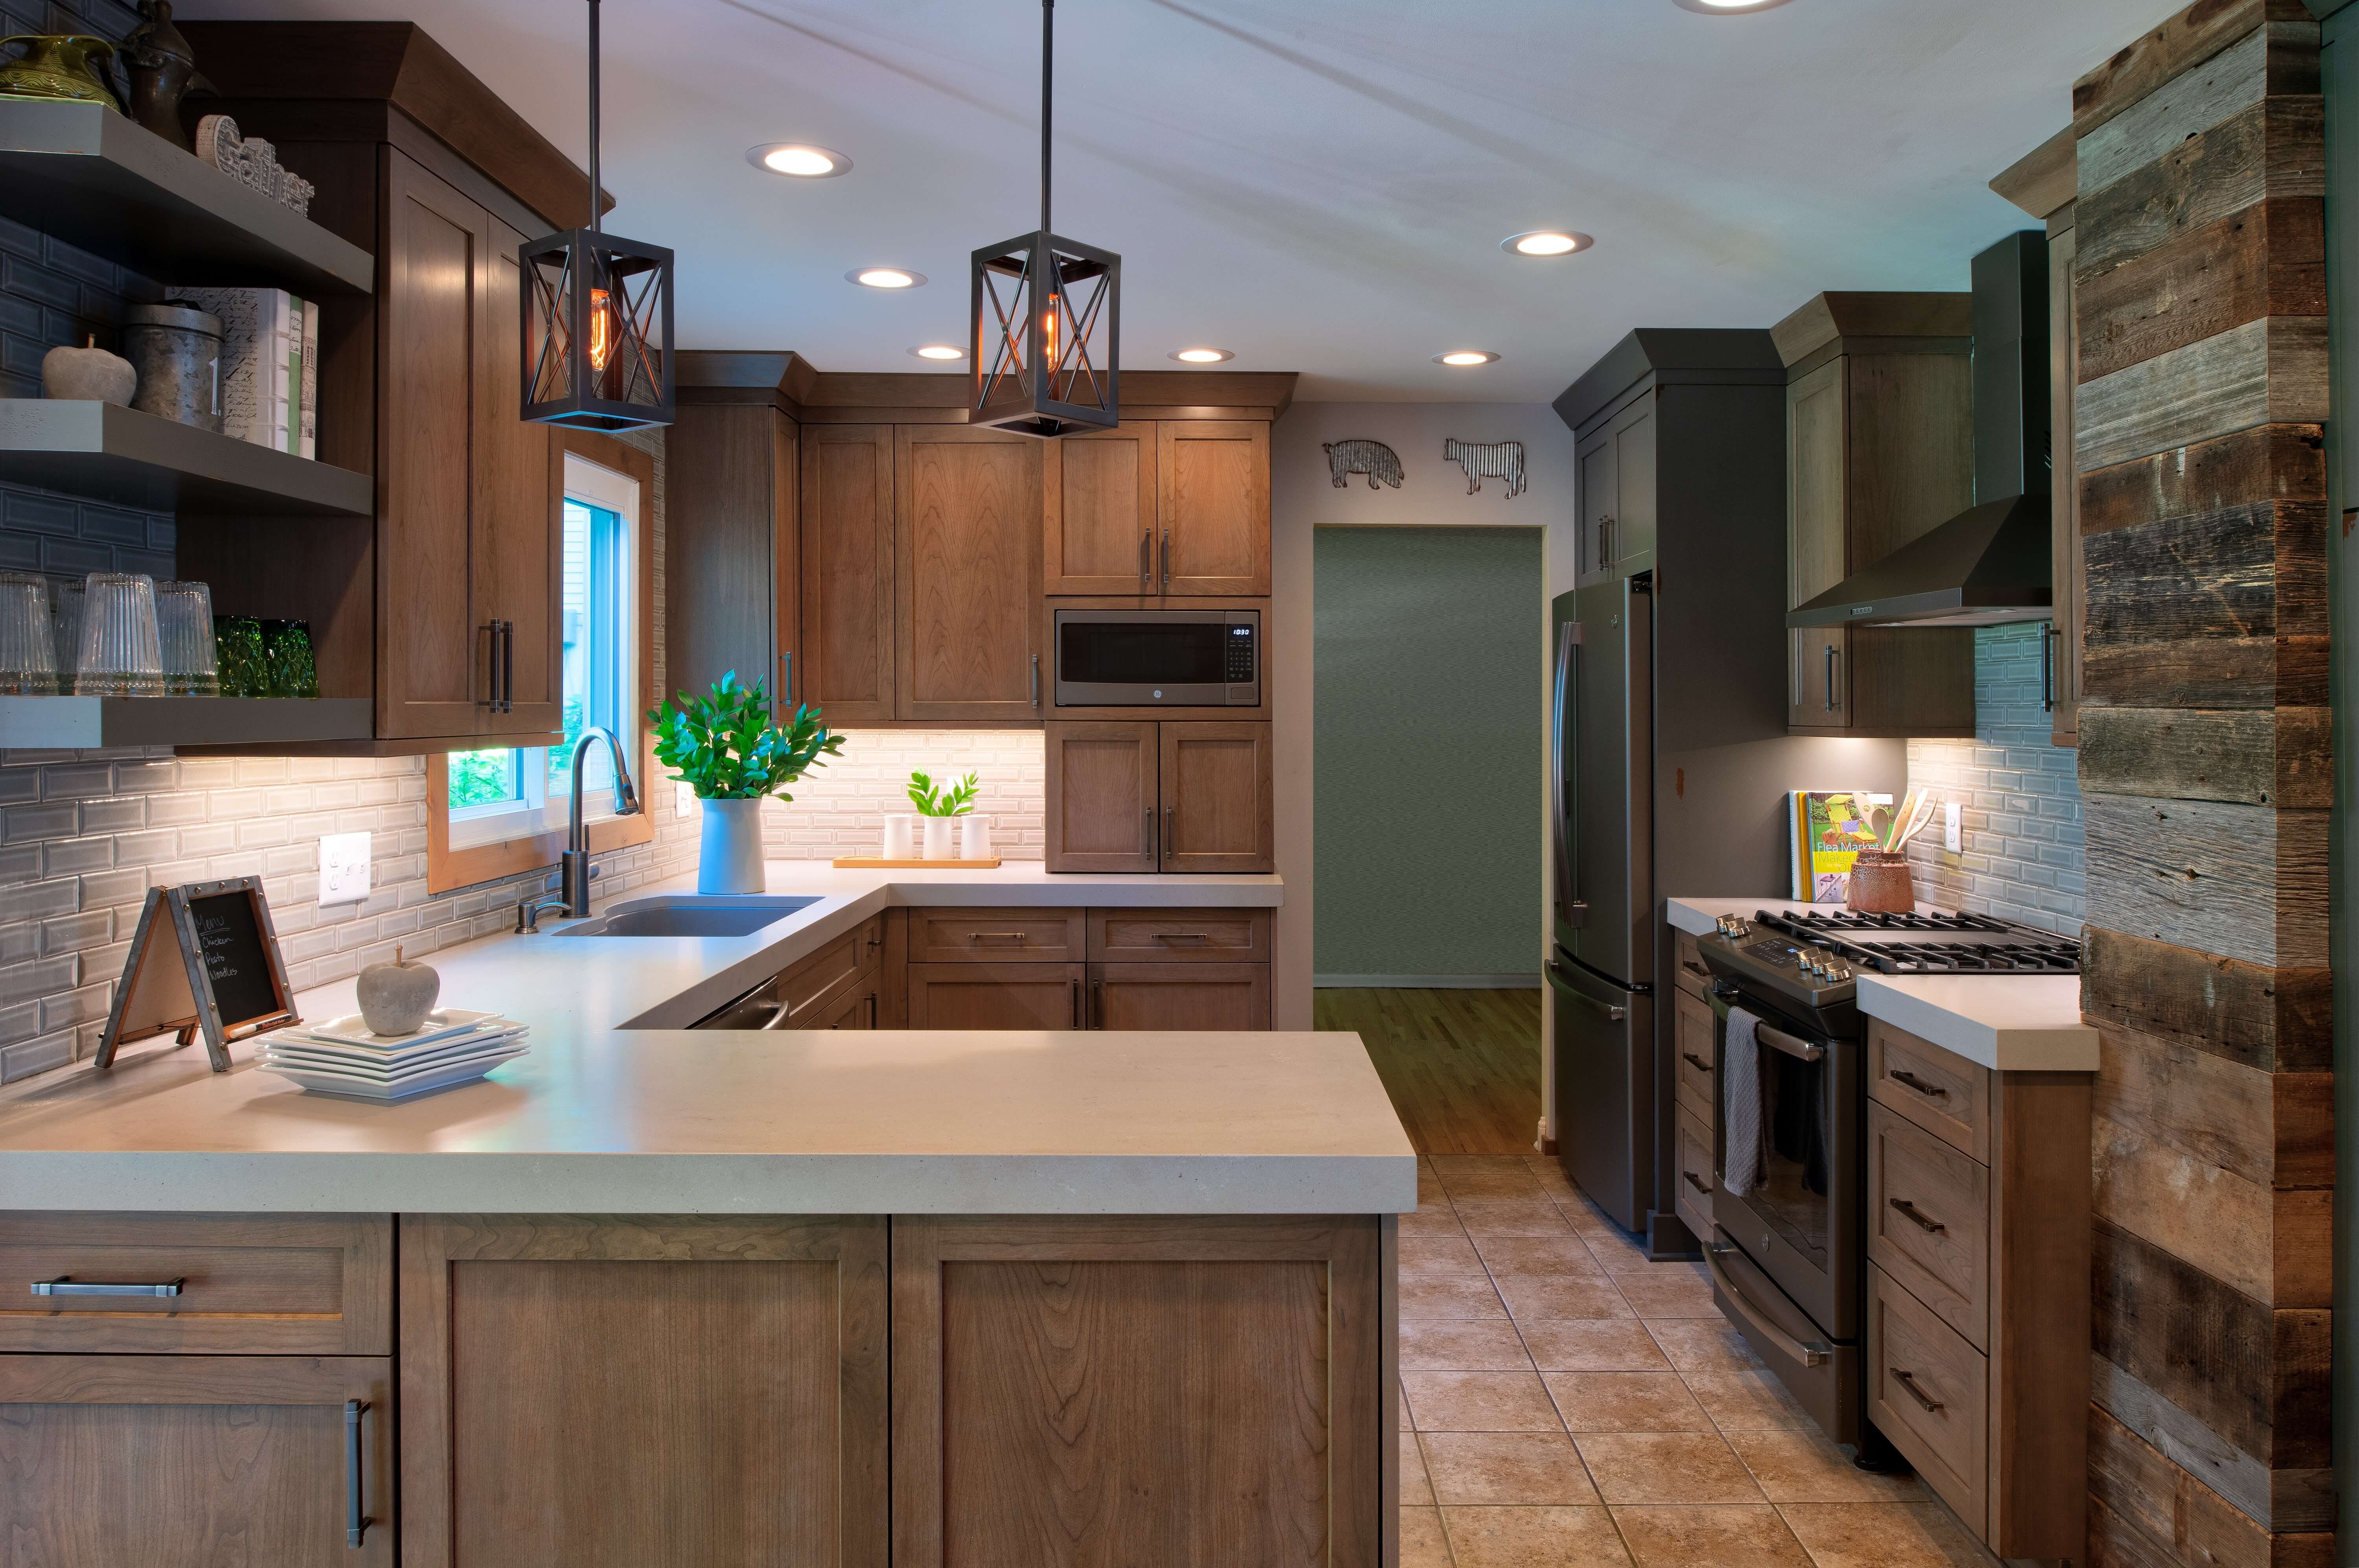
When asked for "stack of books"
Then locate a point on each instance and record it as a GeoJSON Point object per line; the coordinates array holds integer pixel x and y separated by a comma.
{"type": "Point", "coordinates": [270, 372]}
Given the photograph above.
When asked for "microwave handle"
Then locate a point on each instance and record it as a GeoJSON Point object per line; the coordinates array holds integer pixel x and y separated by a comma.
{"type": "Point", "coordinates": [1567, 782]}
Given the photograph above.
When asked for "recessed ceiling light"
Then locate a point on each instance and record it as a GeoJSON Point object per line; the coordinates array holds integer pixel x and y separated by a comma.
{"type": "Point", "coordinates": [938, 351]}
{"type": "Point", "coordinates": [800, 159]}
{"type": "Point", "coordinates": [885, 277]}
{"type": "Point", "coordinates": [1202, 355]}
{"type": "Point", "coordinates": [1726, 7]}
{"type": "Point", "coordinates": [1546, 241]}
{"type": "Point", "coordinates": [1465, 357]}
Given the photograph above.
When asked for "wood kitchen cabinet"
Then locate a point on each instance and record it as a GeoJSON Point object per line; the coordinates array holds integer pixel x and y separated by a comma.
{"type": "Point", "coordinates": [848, 572]}
{"type": "Point", "coordinates": [1213, 531]}
{"type": "Point", "coordinates": [1101, 504]}
{"type": "Point", "coordinates": [1166, 995]}
{"type": "Point", "coordinates": [967, 521]}
{"type": "Point", "coordinates": [1618, 489]}
{"type": "Point", "coordinates": [1879, 452]}
{"type": "Point", "coordinates": [1178, 796]}
{"type": "Point", "coordinates": [732, 548]}
{"type": "Point", "coordinates": [1218, 802]}
{"type": "Point", "coordinates": [996, 995]}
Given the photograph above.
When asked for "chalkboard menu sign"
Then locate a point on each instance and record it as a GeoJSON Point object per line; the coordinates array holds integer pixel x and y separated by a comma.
{"type": "Point", "coordinates": [204, 960]}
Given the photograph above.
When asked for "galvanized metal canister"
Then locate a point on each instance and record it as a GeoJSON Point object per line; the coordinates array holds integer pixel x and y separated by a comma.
{"type": "Point", "coordinates": [176, 349]}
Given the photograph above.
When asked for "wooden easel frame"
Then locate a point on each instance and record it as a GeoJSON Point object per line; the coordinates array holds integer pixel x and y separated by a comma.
{"type": "Point", "coordinates": [153, 998]}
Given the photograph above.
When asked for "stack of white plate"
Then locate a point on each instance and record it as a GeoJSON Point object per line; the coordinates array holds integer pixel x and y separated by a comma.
{"type": "Point", "coordinates": [342, 1057]}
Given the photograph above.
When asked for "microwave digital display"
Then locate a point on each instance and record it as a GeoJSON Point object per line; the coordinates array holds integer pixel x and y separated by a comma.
{"type": "Point", "coordinates": [1122, 658]}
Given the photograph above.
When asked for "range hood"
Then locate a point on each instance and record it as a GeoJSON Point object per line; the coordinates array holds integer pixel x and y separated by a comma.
{"type": "Point", "coordinates": [1991, 563]}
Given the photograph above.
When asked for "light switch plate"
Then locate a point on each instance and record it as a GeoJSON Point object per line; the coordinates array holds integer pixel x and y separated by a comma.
{"type": "Point", "coordinates": [683, 801]}
{"type": "Point", "coordinates": [343, 868]}
{"type": "Point", "coordinates": [1953, 831]}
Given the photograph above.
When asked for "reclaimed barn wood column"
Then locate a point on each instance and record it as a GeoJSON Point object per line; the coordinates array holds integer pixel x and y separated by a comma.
{"type": "Point", "coordinates": [2200, 283]}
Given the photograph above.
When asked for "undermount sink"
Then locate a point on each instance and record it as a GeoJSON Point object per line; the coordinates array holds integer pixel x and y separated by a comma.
{"type": "Point", "coordinates": [683, 915]}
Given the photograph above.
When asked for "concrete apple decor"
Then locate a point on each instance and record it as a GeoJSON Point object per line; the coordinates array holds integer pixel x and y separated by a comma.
{"type": "Point", "coordinates": [396, 997]}
{"type": "Point", "coordinates": [90, 374]}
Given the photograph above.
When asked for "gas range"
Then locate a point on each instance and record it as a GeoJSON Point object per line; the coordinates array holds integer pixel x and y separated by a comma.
{"type": "Point", "coordinates": [1812, 958]}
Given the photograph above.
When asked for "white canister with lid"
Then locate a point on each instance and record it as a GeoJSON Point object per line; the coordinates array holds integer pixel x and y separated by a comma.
{"type": "Point", "coordinates": [901, 835]}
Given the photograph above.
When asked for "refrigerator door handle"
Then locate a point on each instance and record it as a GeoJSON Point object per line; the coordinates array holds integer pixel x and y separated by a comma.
{"type": "Point", "coordinates": [1563, 988]}
{"type": "Point", "coordinates": [1568, 727]}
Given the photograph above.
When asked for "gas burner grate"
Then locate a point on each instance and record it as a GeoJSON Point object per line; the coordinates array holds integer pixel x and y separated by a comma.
{"type": "Point", "coordinates": [1812, 921]}
{"type": "Point", "coordinates": [1968, 958]}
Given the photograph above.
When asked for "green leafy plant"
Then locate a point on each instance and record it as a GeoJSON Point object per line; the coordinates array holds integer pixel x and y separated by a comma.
{"type": "Point", "coordinates": [725, 747]}
{"type": "Point", "coordinates": [955, 801]}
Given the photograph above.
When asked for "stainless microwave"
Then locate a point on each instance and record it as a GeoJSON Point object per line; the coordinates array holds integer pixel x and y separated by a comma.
{"type": "Point", "coordinates": [1148, 658]}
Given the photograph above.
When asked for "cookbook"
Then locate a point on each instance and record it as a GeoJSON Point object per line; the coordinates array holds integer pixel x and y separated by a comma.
{"type": "Point", "coordinates": [1829, 827]}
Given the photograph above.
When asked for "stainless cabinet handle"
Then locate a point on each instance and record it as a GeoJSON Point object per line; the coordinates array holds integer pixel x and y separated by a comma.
{"type": "Point", "coordinates": [1831, 677]}
{"type": "Point", "coordinates": [1036, 679]}
{"type": "Point", "coordinates": [492, 665]}
{"type": "Point", "coordinates": [1078, 1022]}
{"type": "Point", "coordinates": [1698, 1182]}
{"type": "Point", "coordinates": [1910, 1080]}
{"type": "Point", "coordinates": [1908, 1381]}
{"type": "Point", "coordinates": [1170, 841]}
{"type": "Point", "coordinates": [356, 1523]}
{"type": "Point", "coordinates": [999, 936]}
{"type": "Point", "coordinates": [1183, 936]}
{"type": "Point", "coordinates": [786, 682]}
{"type": "Point", "coordinates": [507, 667]}
{"type": "Point", "coordinates": [1097, 1002]}
{"type": "Point", "coordinates": [1605, 542]}
{"type": "Point", "coordinates": [67, 1285]}
{"type": "Point", "coordinates": [1693, 1060]}
{"type": "Point", "coordinates": [1923, 1222]}
{"type": "Point", "coordinates": [1146, 559]}
{"type": "Point", "coordinates": [1167, 561]}
{"type": "Point", "coordinates": [874, 1003]}
{"type": "Point", "coordinates": [1811, 1353]}
{"type": "Point", "coordinates": [2048, 635]}
{"type": "Point", "coordinates": [1151, 847]}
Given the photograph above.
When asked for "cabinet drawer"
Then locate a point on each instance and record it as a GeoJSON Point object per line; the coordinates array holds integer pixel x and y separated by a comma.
{"type": "Point", "coordinates": [996, 936]}
{"type": "Point", "coordinates": [1929, 1221]}
{"type": "Point", "coordinates": [1694, 1196]}
{"type": "Point", "coordinates": [812, 984]}
{"type": "Point", "coordinates": [1179, 995]}
{"type": "Point", "coordinates": [1688, 967]}
{"type": "Point", "coordinates": [252, 1284]}
{"type": "Point", "coordinates": [1929, 1392]}
{"type": "Point", "coordinates": [1697, 1092]}
{"type": "Point", "coordinates": [996, 995]}
{"type": "Point", "coordinates": [1939, 1090]}
{"type": "Point", "coordinates": [1201, 936]}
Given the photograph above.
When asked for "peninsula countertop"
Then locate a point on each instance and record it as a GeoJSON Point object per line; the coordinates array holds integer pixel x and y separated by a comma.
{"type": "Point", "coordinates": [2015, 1023]}
{"type": "Point", "coordinates": [620, 1108]}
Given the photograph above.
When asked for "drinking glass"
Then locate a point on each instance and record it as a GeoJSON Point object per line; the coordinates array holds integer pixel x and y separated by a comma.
{"type": "Point", "coordinates": [28, 657]}
{"type": "Point", "coordinates": [67, 623]}
{"type": "Point", "coordinates": [244, 672]}
{"type": "Point", "coordinates": [184, 622]}
{"type": "Point", "coordinates": [122, 656]}
{"type": "Point", "coordinates": [286, 650]}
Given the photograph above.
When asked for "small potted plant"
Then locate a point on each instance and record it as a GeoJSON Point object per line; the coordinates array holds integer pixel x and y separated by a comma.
{"type": "Point", "coordinates": [938, 807]}
{"type": "Point", "coordinates": [726, 749]}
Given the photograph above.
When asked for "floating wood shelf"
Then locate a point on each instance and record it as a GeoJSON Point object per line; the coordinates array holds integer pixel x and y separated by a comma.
{"type": "Point", "coordinates": [138, 460]}
{"type": "Point", "coordinates": [82, 724]}
{"type": "Point", "coordinates": [93, 178]}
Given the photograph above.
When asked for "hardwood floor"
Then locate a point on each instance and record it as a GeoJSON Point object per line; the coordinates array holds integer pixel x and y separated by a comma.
{"type": "Point", "coordinates": [1463, 1067]}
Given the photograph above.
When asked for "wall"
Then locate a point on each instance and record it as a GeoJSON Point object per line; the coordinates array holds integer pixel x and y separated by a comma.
{"type": "Point", "coordinates": [2206, 776]}
{"type": "Point", "coordinates": [1303, 499]}
{"type": "Point", "coordinates": [840, 808]}
{"type": "Point", "coordinates": [1427, 740]}
{"type": "Point", "coordinates": [2019, 792]}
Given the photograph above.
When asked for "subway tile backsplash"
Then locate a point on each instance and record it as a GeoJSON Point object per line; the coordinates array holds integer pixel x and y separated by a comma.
{"type": "Point", "coordinates": [840, 810]}
{"type": "Point", "coordinates": [2020, 795]}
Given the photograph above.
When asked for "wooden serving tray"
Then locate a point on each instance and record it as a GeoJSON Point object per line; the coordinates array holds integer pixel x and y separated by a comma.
{"type": "Point", "coordinates": [870, 863]}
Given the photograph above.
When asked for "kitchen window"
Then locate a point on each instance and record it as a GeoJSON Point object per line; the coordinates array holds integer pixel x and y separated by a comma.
{"type": "Point", "coordinates": [504, 809]}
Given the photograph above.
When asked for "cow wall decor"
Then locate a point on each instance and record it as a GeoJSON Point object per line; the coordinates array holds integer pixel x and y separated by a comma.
{"type": "Point", "coordinates": [1373, 458]}
{"type": "Point", "coordinates": [1487, 460]}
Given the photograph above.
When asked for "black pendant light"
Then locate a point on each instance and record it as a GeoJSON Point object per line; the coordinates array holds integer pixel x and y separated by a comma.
{"type": "Point", "coordinates": [597, 317]}
{"type": "Point", "coordinates": [1047, 317]}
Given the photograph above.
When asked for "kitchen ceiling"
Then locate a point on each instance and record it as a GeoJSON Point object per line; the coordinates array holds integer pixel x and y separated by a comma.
{"type": "Point", "coordinates": [1320, 186]}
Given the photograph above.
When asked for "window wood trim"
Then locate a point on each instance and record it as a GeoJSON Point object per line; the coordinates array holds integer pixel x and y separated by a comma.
{"type": "Point", "coordinates": [447, 869]}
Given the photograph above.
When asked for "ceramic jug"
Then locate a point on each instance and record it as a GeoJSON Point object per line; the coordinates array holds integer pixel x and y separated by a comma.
{"type": "Point", "coordinates": [57, 65]}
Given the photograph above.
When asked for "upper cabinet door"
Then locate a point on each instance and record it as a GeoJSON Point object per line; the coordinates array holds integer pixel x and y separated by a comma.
{"type": "Point", "coordinates": [968, 520]}
{"type": "Point", "coordinates": [519, 525]}
{"type": "Point", "coordinates": [1218, 800]}
{"type": "Point", "coordinates": [1215, 514]}
{"type": "Point", "coordinates": [1599, 503]}
{"type": "Point", "coordinates": [730, 593]}
{"type": "Point", "coordinates": [1632, 543]}
{"type": "Point", "coordinates": [1100, 525]}
{"type": "Point", "coordinates": [435, 646]}
{"type": "Point", "coordinates": [1818, 479]}
{"type": "Point", "coordinates": [847, 572]}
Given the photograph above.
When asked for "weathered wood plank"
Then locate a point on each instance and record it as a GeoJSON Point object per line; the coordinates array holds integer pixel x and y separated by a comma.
{"type": "Point", "coordinates": [2146, 1510]}
{"type": "Point", "coordinates": [2259, 756]}
{"type": "Point", "coordinates": [2268, 260]}
{"type": "Point", "coordinates": [2275, 1130]}
{"type": "Point", "coordinates": [2188, 38]}
{"type": "Point", "coordinates": [2243, 882]}
{"type": "Point", "coordinates": [2146, 1492]}
{"type": "Point", "coordinates": [2275, 149]}
{"type": "Point", "coordinates": [2268, 463]}
{"type": "Point", "coordinates": [2114, 1544]}
{"type": "Point", "coordinates": [2218, 672]}
{"type": "Point", "coordinates": [2222, 1223]}
{"type": "Point", "coordinates": [2218, 1464]}
{"type": "Point", "coordinates": [2247, 571]}
{"type": "Point", "coordinates": [2267, 371]}
{"type": "Point", "coordinates": [2185, 104]}
{"type": "Point", "coordinates": [2044, 180]}
{"type": "Point", "coordinates": [2278, 1020]}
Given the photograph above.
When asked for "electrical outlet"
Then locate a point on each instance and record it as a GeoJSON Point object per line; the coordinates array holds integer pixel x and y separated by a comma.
{"type": "Point", "coordinates": [343, 868]}
{"type": "Point", "coordinates": [1954, 828]}
{"type": "Point", "coordinates": [683, 801]}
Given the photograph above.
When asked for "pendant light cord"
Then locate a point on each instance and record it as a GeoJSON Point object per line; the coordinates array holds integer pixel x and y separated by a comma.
{"type": "Point", "coordinates": [593, 116]}
{"type": "Point", "coordinates": [1047, 67]}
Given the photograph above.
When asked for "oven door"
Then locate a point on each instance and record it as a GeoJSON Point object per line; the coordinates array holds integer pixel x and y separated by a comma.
{"type": "Point", "coordinates": [1800, 1225]}
{"type": "Point", "coordinates": [1150, 659]}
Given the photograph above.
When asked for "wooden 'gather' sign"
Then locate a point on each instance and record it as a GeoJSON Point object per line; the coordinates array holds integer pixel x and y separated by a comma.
{"type": "Point", "coordinates": [223, 976]}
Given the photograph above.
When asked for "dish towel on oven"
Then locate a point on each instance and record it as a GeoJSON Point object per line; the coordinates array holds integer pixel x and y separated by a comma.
{"type": "Point", "coordinates": [1740, 1111]}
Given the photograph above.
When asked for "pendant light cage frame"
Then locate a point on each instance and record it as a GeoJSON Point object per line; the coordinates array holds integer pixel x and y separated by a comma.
{"type": "Point", "coordinates": [1046, 354]}
{"type": "Point", "coordinates": [568, 276]}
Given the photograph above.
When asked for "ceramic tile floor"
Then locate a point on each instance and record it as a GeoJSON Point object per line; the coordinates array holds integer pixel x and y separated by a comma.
{"type": "Point", "coordinates": [1568, 1404]}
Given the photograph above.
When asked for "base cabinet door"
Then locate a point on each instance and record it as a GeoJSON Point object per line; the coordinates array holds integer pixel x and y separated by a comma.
{"type": "Point", "coordinates": [857, 1008]}
{"type": "Point", "coordinates": [1102, 788]}
{"type": "Point", "coordinates": [195, 1461]}
{"type": "Point", "coordinates": [611, 1391]}
{"type": "Point", "coordinates": [1152, 1392]}
{"type": "Point", "coordinates": [996, 995]}
{"type": "Point", "coordinates": [1217, 798]}
{"type": "Point", "coordinates": [1179, 995]}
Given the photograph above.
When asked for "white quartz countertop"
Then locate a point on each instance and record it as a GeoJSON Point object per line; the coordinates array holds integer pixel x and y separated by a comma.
{"type": "Point", "coordinates": [620, 1108]}
{"type": "Point", "coordinates": [2014, 1023]}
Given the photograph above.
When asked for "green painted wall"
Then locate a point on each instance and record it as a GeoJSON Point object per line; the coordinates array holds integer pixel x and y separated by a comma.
{"type": "Point", "coordinates": [1429, 682]}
